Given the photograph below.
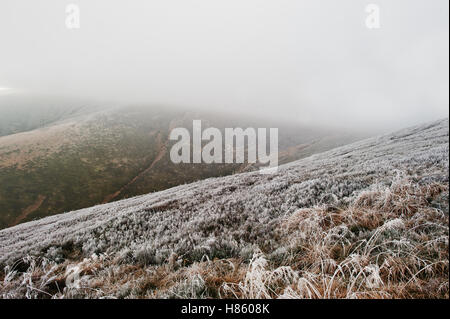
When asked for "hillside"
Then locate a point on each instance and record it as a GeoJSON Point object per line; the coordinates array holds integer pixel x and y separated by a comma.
{"type": "Point", "coordinates": [369, 219]}
{"type": "Point", "coordinates": [88, 155]}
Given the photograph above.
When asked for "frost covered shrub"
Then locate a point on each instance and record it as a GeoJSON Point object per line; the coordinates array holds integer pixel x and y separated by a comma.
{"type": "Point", "coordinates": [259, 282]}
{"type": "Point", "coordinates": [247, 252]}
{"type": "Point", "coordinates": [211, 249]}
{"type": "Point", "coordinates": [31, 283]}
{"type": "Point", "coordinates": [55, 253]}
{"type": "Point", "coordinates": [146, 256]}
{"type": "Point", "coordinates": [279, 255]}
{"type": "Point", "coordinates": [192, 288]}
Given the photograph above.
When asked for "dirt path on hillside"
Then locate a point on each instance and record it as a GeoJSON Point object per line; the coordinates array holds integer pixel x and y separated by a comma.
{"type": "Point", "coordinates": [159, 156]}
{"type": "Point", "coordinates": [30, 209]}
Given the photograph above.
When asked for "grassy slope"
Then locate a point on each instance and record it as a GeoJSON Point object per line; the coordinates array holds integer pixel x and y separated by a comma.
{"type": "Point", "coordinates": [366, 220]}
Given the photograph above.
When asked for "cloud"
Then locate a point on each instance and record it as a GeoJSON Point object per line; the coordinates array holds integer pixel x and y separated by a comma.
{"type": "Point", "coordinates": [307, 61]}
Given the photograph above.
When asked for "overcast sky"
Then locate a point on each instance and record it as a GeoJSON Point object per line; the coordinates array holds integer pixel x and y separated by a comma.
{"type": "Point", "coordinates": [309, 61]}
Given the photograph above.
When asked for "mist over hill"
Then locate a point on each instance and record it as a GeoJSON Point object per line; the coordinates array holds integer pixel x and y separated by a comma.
{"type": "Point", "coordinates": [21, 112]}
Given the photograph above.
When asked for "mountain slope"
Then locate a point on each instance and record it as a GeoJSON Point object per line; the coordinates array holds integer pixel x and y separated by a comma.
{"type": "Point", "coordinates": [369, 219]}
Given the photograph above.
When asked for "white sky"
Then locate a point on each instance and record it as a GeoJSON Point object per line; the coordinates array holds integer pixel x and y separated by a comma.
{"type": "Point", "coordinates": [309, 61]}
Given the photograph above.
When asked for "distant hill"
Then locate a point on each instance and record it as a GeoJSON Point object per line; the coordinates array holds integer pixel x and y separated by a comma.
{"type": "Point", "coordinates": [61, 155]}
{"type": "Point", "coordinates": [21, 112]}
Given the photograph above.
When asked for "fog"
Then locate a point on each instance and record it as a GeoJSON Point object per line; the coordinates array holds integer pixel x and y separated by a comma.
{"type": "Point", "coordinates": [311, 61]}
